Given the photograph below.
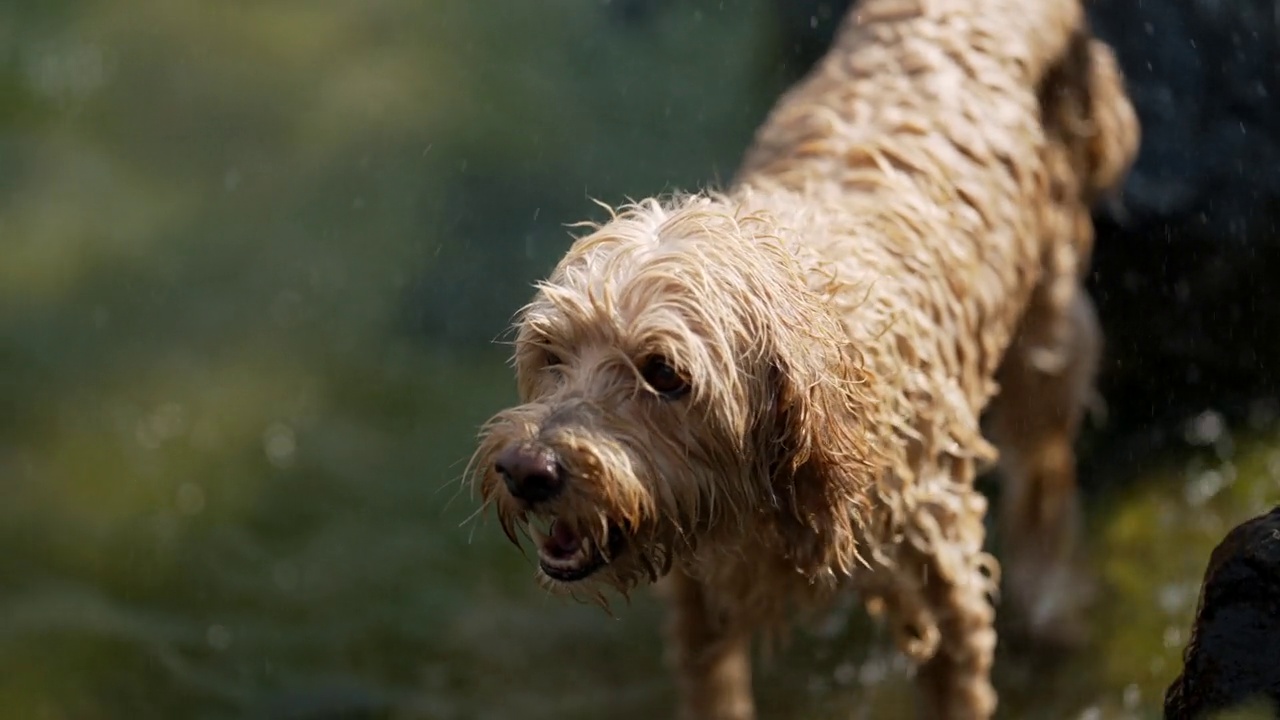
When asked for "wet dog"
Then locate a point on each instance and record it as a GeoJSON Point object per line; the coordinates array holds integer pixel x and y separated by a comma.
{"type": "Point", "coordinates": [764, 395]}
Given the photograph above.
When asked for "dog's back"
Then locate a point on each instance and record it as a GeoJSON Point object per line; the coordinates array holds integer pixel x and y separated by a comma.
{"type": "Point", "coordinates": [913, 66]}
{"type": "Point", "coordinates": [994, 124]}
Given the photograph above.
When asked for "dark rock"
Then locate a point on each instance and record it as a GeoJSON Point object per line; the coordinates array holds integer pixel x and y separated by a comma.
{"type": "Point", "coordinates": [1233, 657]}
{"type": "Point", "coordinates": [1183, 277]}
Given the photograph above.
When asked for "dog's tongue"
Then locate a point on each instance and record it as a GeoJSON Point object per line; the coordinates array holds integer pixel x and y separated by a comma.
{"type": "Point", "coordinates": [563, 540]}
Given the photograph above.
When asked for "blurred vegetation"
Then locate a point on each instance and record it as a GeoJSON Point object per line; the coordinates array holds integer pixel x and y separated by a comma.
{"type": "Point", "coordinates": [253, 256]}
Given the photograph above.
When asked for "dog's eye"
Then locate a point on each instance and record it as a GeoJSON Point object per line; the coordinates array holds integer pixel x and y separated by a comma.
{"type": "Point", "coordinates": [663, 378]}
{"type": "Point", "coordinates": [550, 359]}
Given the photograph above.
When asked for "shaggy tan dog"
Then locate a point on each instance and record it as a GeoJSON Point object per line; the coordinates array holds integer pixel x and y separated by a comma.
{"type": "Point", "coordinates": [769, 394]}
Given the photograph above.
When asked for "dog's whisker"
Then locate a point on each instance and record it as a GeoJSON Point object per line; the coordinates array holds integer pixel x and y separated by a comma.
{"type": "Point", "coordinates": [475, 515]}
{"type": "Point", "coordinates": [460, 484]}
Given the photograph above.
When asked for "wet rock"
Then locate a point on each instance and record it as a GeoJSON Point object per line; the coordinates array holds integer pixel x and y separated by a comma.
{"type": "Point", "coordinates": [1233, 657]}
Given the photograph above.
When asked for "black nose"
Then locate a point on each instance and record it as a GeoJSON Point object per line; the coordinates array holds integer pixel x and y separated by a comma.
{"type": "Point", "coordinates": [532, 472]}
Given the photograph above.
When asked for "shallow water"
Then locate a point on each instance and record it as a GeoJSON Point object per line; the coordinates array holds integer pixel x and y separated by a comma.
{"type": "Point", "coordinates": [252, 254]}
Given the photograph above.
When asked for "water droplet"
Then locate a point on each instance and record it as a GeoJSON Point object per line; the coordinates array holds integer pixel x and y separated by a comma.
{"type": "Point", "coordinates": [1132, 697]}
{"type": "Point", "coordinates": [1206, 428]}
{"type": "Point", "coordinates": [169, 421]}
{"type": "Point", "coordinates": [280, 445]}
{"type": "Point", "coordinates": [219, 637]}
{"type": "Point", "coordinates": [1174, 598]}
{"type": "Point", "coordinates": [872, 672]}
{"type": "Point", "coordinates": [1204, 487]}
{"type": "Point", "coordinates": [189, 499]}
{"type": "Point", "coordinates": [145, 435]}
{"type": "Point", "coordinates": [286, 575]}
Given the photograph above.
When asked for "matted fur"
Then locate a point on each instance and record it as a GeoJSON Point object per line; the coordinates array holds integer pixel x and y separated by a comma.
{"type": "Point", "coordinates": [906, 235]}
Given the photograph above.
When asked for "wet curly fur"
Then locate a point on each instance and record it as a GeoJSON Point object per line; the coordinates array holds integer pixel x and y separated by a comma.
{"type": "Point", "coordinates": [764, 395]}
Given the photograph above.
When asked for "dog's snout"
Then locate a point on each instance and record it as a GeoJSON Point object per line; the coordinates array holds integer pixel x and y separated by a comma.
{"type": "Point", "coordinates": [532, 472]}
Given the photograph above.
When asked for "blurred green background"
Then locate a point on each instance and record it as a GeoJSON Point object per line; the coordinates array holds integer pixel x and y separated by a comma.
{"type": "Point", "coordinates": [252, 258]}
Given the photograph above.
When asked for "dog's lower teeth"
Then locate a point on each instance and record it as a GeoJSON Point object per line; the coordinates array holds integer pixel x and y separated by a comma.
{"type": "Point", "coordinates": [567, 559]}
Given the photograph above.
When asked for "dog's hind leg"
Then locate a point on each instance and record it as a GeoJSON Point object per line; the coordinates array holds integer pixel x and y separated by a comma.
{"type": "Point", "coordinates": [956, 682]}
{"type": "Point", "coordinates": [712, 660]}
{"type": "Point", "coordinates": [936, 589]}
{"type": "Point", "coordinates": [1046, 381]}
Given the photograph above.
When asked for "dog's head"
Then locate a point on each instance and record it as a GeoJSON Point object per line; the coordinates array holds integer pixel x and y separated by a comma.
{"type": "Point", "coordinates": [681, 383]}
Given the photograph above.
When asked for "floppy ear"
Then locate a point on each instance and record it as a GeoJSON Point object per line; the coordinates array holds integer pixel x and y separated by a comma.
{"type": "Point", "coordinates": [823, 432]}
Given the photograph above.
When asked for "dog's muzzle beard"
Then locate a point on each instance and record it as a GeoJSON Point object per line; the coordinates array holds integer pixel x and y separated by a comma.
{"type": "Point", "coordinates": [567, 555]}
{"type": "Point", "coordinates": [585, 513]}
{"type": "Point", "coordinates": [574, 546]}
{"type": "Point", "coordinates": [579, 541]}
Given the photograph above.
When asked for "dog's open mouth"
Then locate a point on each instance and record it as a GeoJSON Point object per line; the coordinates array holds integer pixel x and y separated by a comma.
{"type": "Point", "coordinates": [567, 555]}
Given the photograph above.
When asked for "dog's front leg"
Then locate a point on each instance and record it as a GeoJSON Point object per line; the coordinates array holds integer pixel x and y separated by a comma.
{"type": "Point", "coordinates": [711, 655]}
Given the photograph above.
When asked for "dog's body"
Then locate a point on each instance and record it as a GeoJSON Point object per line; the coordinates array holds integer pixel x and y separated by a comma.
{"type": "Point", "coordinates": [773, 393]}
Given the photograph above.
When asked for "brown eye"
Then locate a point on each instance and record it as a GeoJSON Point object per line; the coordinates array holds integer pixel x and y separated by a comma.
{"type": "Point", "coordinates": [551, 359]}
{"type": "Point", "coordinates": [663, 378]}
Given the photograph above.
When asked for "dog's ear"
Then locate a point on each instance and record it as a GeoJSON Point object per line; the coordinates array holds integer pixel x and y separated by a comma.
{"type": "Point", "coordinates": [823, 434]}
